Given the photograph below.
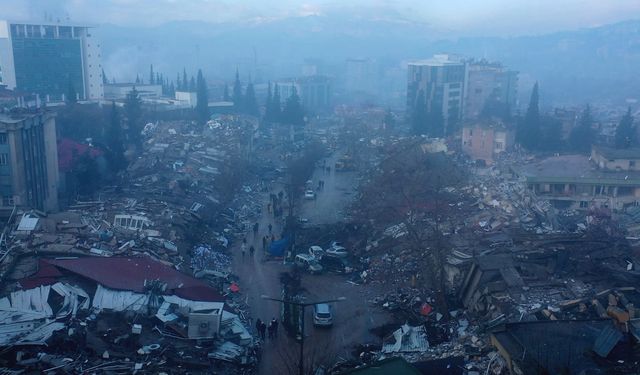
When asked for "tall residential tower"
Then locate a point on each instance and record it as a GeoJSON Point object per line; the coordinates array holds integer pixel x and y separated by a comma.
{"type": "Point", "coordinates": [48, 58]}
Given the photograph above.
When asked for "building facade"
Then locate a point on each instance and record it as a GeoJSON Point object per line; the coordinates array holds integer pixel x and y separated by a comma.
{"type": "Point", "coordinates": [121, 90]}
{"type": "Point", "coordinates": [441, 81]}
{"type": "Point", "coordinates": [46, 59]}
{"type": "Point", "coordinates": [29, 161]}
{"type": "Point", "coordinates": [314, 91]}
{"type": "Point", "coordinates": [608, 178]}
{"type": "Point", "coordinates": [489, 84]}
{"type": "Point", "coordinates": [486, 140]}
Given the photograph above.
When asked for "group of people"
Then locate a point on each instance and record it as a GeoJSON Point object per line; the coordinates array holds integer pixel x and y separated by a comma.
{"type": "Point", "coordinates": [272, 329]}
{"type": "Point", "coordinates": [243, 248]}
{"type": "Point", "coordinates": [275, 204]}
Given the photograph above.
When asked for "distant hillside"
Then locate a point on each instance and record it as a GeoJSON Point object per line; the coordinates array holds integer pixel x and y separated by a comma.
{"type": "Point", "coordinates": [577, 66]}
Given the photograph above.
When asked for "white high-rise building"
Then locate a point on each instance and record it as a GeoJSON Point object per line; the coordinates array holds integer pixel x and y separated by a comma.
{"type": "Point", "coordinates": [48, 58]}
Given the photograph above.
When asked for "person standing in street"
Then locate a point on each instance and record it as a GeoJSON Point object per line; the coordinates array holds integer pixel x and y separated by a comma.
{"type": "Point", "coordinates": [274, 324]}
{"type": "Point", "coordinates": [251, 251]}
{"type": "Point", "coordinates": [270, 228]}
{"type": "Point", "coordinates": [262, 330]}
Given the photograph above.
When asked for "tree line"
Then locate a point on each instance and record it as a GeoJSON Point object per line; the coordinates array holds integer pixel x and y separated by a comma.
{"type": "Point", "coordinates": [538, 132]}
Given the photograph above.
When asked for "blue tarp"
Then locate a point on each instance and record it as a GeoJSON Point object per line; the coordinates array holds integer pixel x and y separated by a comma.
{"type": "Point", "coordinates": [277, 248]}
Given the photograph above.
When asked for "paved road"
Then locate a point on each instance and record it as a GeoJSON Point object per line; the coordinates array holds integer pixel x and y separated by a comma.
{"type": "Point", "coordinates": [353, 318]}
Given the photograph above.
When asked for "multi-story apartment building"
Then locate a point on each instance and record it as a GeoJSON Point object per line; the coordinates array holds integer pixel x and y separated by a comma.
{"type": "Point", "coordinates": [46, 59]}
{"type": "Point", "coordinates": [441, 80]}
{"type": "Point", "coordinates": [29, 160]}
{"type": "Point", "coordinates": [485, 140]}
{"type": "Point", "coordinates": [487, 82]}
{"type": "Point", "coordinates": [314, 91]}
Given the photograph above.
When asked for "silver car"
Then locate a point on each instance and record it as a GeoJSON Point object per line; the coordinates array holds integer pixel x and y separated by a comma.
{"type": "Point", "coordinates": [322, 315]}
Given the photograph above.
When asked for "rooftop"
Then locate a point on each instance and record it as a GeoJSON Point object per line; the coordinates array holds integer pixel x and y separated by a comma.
{"type": "Point", "coordinates": [614, 153]}
{"type": "Point", "coordinates": [438, 60]}
{"type": "Point", "coordinates": [542, 345]}
{"type": "Point", "coordinates": [132, 273]}
{"type": "Point", "coordinates": [574, 168]}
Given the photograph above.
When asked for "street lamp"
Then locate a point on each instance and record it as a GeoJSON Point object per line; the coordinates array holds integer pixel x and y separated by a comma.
{"type": "Point", "coordinates": [303, 306]}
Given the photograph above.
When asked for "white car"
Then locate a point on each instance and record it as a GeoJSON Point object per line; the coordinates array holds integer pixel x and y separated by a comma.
{"type": "Point", "coordinates": [316, 252]}
{"type": "Point", "coordinates": [309, 194]}
{"type": "Point", "coordinates": [337, 250]}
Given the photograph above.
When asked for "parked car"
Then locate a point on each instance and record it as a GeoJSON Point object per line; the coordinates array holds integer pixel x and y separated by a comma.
{"type": "Point", "coordinates": [336, 250]}
{"type": "Point", "coordinates": [316, 252]}
{"type": "Point", "coordinates": [309, 194]}
{"type": "Point", "coordinates": [322, 315]}
{"type": "Point", "coordinates": [309, 263]}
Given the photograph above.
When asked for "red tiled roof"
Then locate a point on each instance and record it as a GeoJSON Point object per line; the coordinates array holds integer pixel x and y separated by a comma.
{"type": "Point", "coordinates": [69, 149]}
{"type": "Point", "coordinates": [47, 275]}
{"type": "Point", "coordinates": [130, 274]}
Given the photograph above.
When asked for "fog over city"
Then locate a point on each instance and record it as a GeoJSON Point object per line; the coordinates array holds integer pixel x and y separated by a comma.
{"type": "Point", "coordinates": [319, 187]}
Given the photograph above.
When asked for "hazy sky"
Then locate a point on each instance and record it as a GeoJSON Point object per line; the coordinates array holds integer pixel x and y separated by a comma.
{"type": "Point", "coordinates": [463, 17]}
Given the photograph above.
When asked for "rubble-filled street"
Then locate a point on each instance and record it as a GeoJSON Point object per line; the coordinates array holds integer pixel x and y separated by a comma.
{"type": "Point", "coordinates": [316, 198]}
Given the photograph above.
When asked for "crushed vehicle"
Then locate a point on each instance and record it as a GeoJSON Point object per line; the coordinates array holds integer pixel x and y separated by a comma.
{"type": "Point", "coordinates": [308, 263]}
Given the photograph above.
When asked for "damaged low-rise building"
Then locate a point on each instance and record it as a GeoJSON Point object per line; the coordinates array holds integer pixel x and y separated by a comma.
{"type": "Point", "coordinates": [607, 179]}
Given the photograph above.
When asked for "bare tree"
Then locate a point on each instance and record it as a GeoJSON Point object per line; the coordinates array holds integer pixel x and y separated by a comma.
{"type": "Point", "coordinates": [416, 189]}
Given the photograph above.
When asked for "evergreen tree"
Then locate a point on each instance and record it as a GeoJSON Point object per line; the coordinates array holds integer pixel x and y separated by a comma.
{"type": "Point", "coordinates": [293, 112]}
{"type": "Point", "coordinates": [626, 132]}
{"type": "Point", "coordinates": [137, 79]}
{"type": "Point", "coordinates": [152, 76]}
{"type": "Point", "coordinates": [185, 80]}
{"type": "Point", "coordinates": [159, 80]}
{"type": "Point", "coordinates": [419, 115]}
{"type": "Point", "coordinates": [550, 134]}
{"type": "Point", "coordinates": [72, 96]}
{"type": "Point", "coordinates": [172, 90]}
{"type": "Point", "coordinates": [115, 141]}
{"type": "Point", "coordinates": [582, 136]}
{"type": "Point", "coordinates": [178, 83]}
{"type": "Point", "coordinates": [225, 95]}
{"type": "Point", "coordinates": [202, 105]}
{"type": "Point", "coordinates": [237, 94]}
{"type": "Point", "coordinates": [268, 106]}
{"type": "Point", "coordinates": [276, 105]}
{"type": "Point", "coordinates": [133, 111]}
{"type": "Point", "coordinates": [250, 102]}
{"type": "Point", "coordinates": [192, 84]}
{"type": "Point", "coordinates": [104, 78]}
{"type": "Point", "coordinates": [529, 130]}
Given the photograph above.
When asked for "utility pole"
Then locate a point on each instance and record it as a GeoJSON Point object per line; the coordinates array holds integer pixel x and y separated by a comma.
{"type": "Point", "coordinates": [302, 306]}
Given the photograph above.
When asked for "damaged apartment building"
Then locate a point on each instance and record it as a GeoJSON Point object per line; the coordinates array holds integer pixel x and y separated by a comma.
{"type": "Point", "coordinates": [609, 178]}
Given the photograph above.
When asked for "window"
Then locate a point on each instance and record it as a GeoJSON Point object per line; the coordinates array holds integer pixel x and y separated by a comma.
{"type": "Point", "coordinates": [499, 146]}
{"type": "Point", "coordinates": [4, 158]}
{"type": "Point", "coordinates": [3, 138]}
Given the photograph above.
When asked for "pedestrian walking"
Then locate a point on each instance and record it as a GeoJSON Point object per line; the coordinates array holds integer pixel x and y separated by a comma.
{"type": "Point", "coordinates": [262, 330]}
{"type": "Point", "coordinates": [251, 251]}
{"type": "Point", "coordinates": [274, 323]}
{"type": "Point", "coordinates": [264, 243]}
{"type": "Point", "coordinates": [270, 329]}
{"type": "Point", "coordinates": [244, 251]}
{"type": "Point", "coordinates": [258, 325]}
{"type": "Point", "coordinates": [269, 207]}
{"type": "Point", "coordinates": [270, 227]}
{"type": "Point", "coordinates": [256, 226]}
